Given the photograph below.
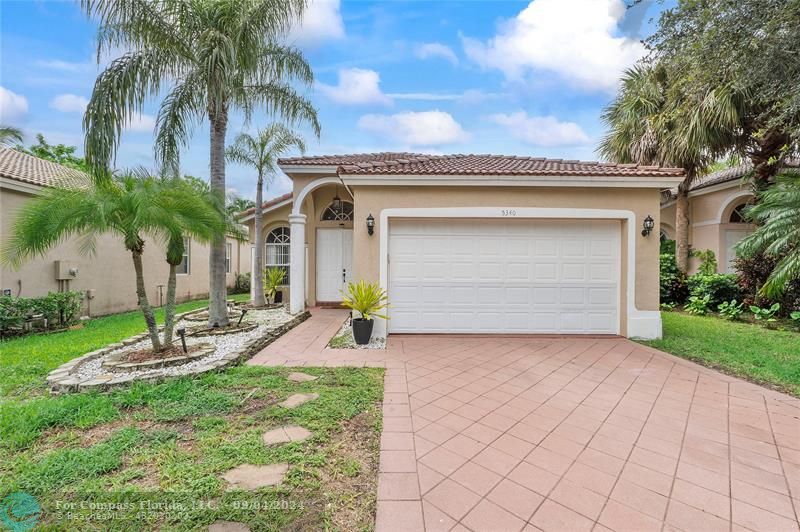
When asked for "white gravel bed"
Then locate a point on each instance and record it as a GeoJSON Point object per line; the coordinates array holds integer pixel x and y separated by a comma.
{"type": "Point", "coordinates": [347, 330]}
{"type": "Point", "coordinates": [225, 344]}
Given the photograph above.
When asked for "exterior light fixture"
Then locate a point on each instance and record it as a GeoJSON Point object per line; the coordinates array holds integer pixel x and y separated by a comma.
{"type": "Point", "coordinates": [648, 225]}
{"type": "Point", "coordinates": [244, 311]}
{"type": "Point", "coordinates": [182, 333]}
{"type": "Point", "coordinates": [336, 205]}
{"type": "Point", "coordinates": [370, 224]}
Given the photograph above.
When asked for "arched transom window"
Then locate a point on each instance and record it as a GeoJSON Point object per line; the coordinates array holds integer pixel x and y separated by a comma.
{"type": "Point", "coordinates": [738, 214]}
{"type": "Point", "coordinates": [277, 251]}
{"type": "Point", "coordinates": [345, 214]}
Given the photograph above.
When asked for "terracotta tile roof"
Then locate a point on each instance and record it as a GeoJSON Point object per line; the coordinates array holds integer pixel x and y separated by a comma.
{"type": "Point", "coordinates": [352, 158]}
{"type": "Point", "coordinates": [735, 172]}
{"type": "Point", "coordinates": [267, 204]}
{"type": "Point", "coordinates": [495, 165]}
{"type": "Point", "coordinates": [29, 169]}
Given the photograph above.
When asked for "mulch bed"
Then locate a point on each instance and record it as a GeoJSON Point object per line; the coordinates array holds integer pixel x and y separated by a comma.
{"type": "Point", "coordinates": [146, 355]}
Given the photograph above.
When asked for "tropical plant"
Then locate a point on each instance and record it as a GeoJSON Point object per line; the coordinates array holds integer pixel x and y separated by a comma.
{"type": "Point", "coordinates": [210, 58]}
{"type": "Point", "coordinates": [719, 287]}
{"type": "Point", "coordinates": [261, 152]}
{"type": "Point", "coordinates": [765, 314]}
{"type": "Point", "coordinates": [272, 280]}
{"type": "Point", "coordinates": [653, 120]}
{"type": "Point", "coordinates": [795, 316]}
{"type": "Point", "coordinates": [235, 204]}
{"type": "Point", "coordinates": [368, 299]}
{"type": "Point", "coordinates": [673, 286]}
{"type": "Point", "coordinates": [10, 135]}
{"type": "Point", "coordinates": [698, 305]}
{"type": "Point", "coordinates": [130, 206]}
{"type": "Point", "coordinates": [731, 310]}
{"type": "Point", "coordinates": [708, 261]}
{"type": "Point", "coordinates": [777, 214]}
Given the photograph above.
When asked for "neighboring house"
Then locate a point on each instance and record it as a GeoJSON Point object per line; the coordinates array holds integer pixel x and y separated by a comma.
{"type": "Point", "coordinates": [474, 243]}
{"type": "Point", "coordinates": [107, 276]}
{"type": "Point", "coordinates": [716, 220]}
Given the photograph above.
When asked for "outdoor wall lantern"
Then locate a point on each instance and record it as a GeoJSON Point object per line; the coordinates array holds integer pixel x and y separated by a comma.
{"type": "Point", "coordinates": [336, 205]}
{"type": "Point", "coordinates": [648, 225]}
{"type": "Point", "coordinates": [370, 224]}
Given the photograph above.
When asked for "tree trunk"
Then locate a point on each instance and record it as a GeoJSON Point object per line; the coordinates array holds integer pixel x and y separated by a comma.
{"type": "Point", "coordinates": [258, 259]}
{"type": "Point", "coordinates": [169, 308]}
{"type": "Point", "coordinates": [682, 228]}
{"type": "Point", "coordinates": [767, 158]}
{"type": "Point", "coordinates": [217, 290]}
{"type": "Point", "coordinates": [144, 304]}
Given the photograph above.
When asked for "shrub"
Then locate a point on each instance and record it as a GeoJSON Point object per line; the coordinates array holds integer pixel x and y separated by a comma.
{"type": "Point", "coordinates": [708, 261]}
{"type": "Point", "coordinates": [753, 272]}
{"type": "Point", "coordinates": [672, 281]}
{"type": "Point", "coordinates": [731, 310]}
{"type": "Point", "coordinates": [59, 308]}
{"type": "Point", "coordinates": [720, 287]}
{"type": "Point", "coordinates": [242, 284]}
{"type": "Point", "coordinates": [698, 305]}
{"type": "Point", "coordinates": [765, 314]}
{"type": "Point", "coordinates": [273, 280]}
{"type": "Point", "coordinates": [667, 247]}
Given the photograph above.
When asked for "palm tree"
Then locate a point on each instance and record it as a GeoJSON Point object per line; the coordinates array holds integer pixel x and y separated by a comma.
{"type": "Point", "coordinates": [131, 206]}
{"type": "Point", "coordinates": [777, 214]}
{"type": "Point", "coordinates": [10, 135]}
{"type": "Point", "coordinates": [211, 57]}
{"type": "Point", "coordinates": [261, 152]}
{"type": "Point", "coordinates": [653, 121]}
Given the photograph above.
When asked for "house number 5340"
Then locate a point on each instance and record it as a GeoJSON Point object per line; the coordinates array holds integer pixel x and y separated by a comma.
{"type": "Point", "coordinates": [508, 212]}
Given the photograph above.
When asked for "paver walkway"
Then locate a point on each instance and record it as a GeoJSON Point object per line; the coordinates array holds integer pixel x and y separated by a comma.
{"type": "Point", "coordinates": [566, 434]}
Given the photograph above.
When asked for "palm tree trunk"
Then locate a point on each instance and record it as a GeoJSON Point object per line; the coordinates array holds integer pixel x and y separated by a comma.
{"type": "Point", "coordinates": [258, 260]}
{"type": "Point", "coordinates": [169, 308]}
{"type": "Point", "coordinates": [766, 158]}
{"type": "Point", "coordinates": [144, 304]}
{"type": "Point", "coordinates": [682, 228]}
{"type": "Point", "coordinates": [217, 290]}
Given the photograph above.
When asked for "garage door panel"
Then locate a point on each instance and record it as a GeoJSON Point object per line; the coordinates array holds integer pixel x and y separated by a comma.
{"type": "Point", "coordinates": [521, 276]}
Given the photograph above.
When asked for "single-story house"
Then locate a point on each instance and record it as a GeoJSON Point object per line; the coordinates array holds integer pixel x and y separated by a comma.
{"type": "Point", "coordinates": [716, 213]}
{"type": "Point", "coordinates": [475, 243]}
{"type": "Point", "coordinates": [107, 277]}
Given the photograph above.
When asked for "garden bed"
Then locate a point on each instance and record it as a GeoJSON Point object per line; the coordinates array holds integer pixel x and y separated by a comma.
{"type": "Point", "coordinates": [343, 339]}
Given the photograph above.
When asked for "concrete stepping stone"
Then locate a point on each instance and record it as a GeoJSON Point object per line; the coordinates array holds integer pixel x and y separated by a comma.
{"type": "Point", "coordinates": [298, 399]}
{"type": "Point", "coordinates": [228, 526]}
{"type": "Point", "coordinates": [252, 477]}
{"type": "Point", "coordinates": [297, 376]}
{"type": "Point", "coordinates": [286, 434]}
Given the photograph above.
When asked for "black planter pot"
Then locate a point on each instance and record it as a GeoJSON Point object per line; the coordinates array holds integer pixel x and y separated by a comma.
{"type": "Point", "coordinates": [362, 330]}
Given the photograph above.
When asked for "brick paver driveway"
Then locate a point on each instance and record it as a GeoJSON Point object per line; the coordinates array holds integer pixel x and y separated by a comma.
{"type": "Point", "coordinates": [568, 434]}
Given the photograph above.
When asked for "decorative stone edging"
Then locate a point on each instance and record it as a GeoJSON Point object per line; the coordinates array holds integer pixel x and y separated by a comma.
{"type": "Point", "coordinates": [64, 379]}
{"type": "Point", "coordinates": [118, 363]}
{"type": "Point", "coordinates": [222, 331]}
{"type": "Point", "coordinates": [197, 315]}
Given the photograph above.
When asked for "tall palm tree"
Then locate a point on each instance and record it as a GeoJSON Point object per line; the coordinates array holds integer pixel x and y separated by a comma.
{"type": "Point", "coordinates": [10, 135]}
{"type": "Point", "coordinates": [211, 58]}
{"type": "Point", "coordinates": [131, 206]}
{"type": "Point", "coordinates": [653, 121]}
{"type": "Point", "coordinates": [777, 213]}
{"type": "Point", "coordinates": [261, 152]}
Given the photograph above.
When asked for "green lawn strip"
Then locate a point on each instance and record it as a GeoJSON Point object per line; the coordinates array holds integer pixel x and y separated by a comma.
{"type": "Point", "coordinates": [170, 442]}
{"type": "Point", "coordinates": [752, 352]}
{"type": "Point", "coordinates": [25, 361]}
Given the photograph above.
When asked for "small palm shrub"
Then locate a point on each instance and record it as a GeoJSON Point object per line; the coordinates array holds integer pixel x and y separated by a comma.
{"type": "Point", "coordinates": [698, 306]}
{"type": "Point", "coordinates": [767, 315]}
{"type": "Point", "coordinates": [731, 310]}
{"type": "Point", "coordinates": [708, 261]}
{"type": "Point", "coordinates": [368, 299]}
{"type": "Point", "coordinates": [273, 280]}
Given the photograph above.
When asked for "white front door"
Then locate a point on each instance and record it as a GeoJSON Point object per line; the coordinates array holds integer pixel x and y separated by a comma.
{"type": "Point", "coordinates": [493, 276]}
{"type": "Point", "coordinates": [732, 237]}
{"type": "Point", "coordinates": [334, 262]}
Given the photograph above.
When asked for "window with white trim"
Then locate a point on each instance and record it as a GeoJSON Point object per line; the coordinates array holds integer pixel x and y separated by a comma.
{"type": "Point", "coordinates": [344, 214]}
{"type": "Point", "coordinates": [277, 251]}
{"type": "Point", "coordinates": [738, 214]}
{"type": "Point", "coordinates": [184, 266]}
{"type": "Point", "coordinates": [228, 253]}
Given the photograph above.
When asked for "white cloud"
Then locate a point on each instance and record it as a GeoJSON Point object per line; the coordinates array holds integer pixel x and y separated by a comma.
{"type": "Point", "coordinates": [426, 128]}
{"type": "Point", "coordinates": [436, 49]}
{"type": "Point", "coordinates": [470, 96]}
{"type": "Point", "coordinates": [142, 124]}
{"type": "Point", "coordinates": [322, 21]}
{"type": "Point", "coordinates": [356, 86]}
{"type": "Point", "coordinates": [541, 130]}
{"type": "Point", "coordinates": [12, 106]}
{"type": "Point", "coordinates": [573, 38]}
{"type": "Point", "coordinates": [65, 66]}
{"type": "Point", "coordinates": [69, 103]}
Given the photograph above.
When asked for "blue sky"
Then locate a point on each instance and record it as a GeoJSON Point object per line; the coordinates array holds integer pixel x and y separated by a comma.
{"type": "Point", "coordinates": [523, 78]}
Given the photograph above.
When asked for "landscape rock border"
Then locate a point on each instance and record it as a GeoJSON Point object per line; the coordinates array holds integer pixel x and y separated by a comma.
{"type": "Point", "coordinates": [64, 379]}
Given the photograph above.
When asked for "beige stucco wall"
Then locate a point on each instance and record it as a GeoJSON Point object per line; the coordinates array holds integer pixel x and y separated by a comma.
{"type": "Point", "coordinates": [110, 271]}
{"type": "Point", "coordinates": [708, 216]}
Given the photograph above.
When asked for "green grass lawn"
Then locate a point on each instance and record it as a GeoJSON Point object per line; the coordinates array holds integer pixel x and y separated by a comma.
{"type": "Point", "coordinates": [26, 361]}
{"type": "Point", "coordinates": [151, 455]}
{"type": "Point", "coordinates": [764, 356]}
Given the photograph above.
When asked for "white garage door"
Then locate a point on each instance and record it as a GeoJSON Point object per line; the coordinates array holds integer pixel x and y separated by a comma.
{"type": "Point", "coordinates": [504, 276]}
